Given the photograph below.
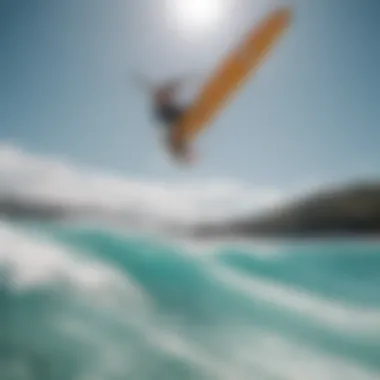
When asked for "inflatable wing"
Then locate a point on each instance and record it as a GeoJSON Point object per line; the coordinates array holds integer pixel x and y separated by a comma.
{"type": "Point", "coordinates": [232, 73]}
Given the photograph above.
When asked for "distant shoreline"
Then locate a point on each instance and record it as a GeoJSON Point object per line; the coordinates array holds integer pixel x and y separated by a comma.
{"type": "Point", "coordinates": [351, 212]}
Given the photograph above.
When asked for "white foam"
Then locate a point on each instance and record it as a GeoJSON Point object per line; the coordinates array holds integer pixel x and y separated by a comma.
{"type": "Point", "coordinates": [51, 181]}
{"type": "Point", "coordinates": [35, 262]}
{"type": "Point", "coordinates": [274, 357]}
{"type": "Point", "coordinates": [322, 311]}
{"type": "Point", "coordinates": [245, 353]}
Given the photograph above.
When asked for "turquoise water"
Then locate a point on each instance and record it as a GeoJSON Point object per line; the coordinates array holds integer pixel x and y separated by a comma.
{"type": "Point", "coordinates": [85, 303]}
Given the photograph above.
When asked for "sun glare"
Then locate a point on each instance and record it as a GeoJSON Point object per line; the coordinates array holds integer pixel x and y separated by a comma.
{"type": "Point", "coordinates": [197, 15]}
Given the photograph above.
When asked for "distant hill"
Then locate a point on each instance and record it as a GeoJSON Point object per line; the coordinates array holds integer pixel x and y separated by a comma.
{"type": "Point", "coordinates": [349, 210]}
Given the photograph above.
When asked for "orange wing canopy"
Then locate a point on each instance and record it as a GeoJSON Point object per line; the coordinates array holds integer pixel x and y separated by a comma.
{"type": "Point", "coordinates": [231, 74]}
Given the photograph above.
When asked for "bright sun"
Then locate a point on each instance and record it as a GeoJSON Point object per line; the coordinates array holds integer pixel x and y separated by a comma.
{"type": "Point", "coordinates": [197, 15]}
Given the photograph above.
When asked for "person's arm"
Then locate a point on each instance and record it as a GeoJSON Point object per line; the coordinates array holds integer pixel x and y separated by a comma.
{"type": "Point", "coordinates": [174, 83]}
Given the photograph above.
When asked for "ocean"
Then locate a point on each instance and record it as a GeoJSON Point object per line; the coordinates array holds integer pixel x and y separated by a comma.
{"type": "Point", "coordinates": [93, 303]}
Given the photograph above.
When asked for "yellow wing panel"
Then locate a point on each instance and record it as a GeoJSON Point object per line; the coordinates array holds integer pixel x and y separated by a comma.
{"type": "Point", "coordinates": [231, 74]}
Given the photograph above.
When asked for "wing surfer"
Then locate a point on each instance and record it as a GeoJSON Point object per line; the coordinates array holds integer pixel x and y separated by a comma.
{"type": "Point", "coordinates": [168, 112]}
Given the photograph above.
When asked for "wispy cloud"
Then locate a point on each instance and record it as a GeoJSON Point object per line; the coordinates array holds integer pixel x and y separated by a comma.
{"type": "Point", "coordinates": [26, 176]}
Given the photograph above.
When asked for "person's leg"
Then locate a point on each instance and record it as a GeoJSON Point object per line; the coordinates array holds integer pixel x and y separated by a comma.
{"type": "Point", "coordinates": [186, 150]}
{"type": "Point", "coordinates": [181, 150]}
{"type": "Point", "coordinates": [171, 115]}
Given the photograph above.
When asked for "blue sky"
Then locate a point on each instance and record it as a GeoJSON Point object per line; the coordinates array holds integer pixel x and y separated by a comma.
{"type": "Point", "coordinates": [310, 114]}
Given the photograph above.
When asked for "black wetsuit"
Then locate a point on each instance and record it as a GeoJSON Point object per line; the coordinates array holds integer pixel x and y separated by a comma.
{"type": "Point", "coordinates": [168, 114]}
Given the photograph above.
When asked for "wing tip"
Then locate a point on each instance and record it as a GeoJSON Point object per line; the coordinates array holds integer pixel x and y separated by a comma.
{"type": "Point", "coordinates": [285, 13]}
